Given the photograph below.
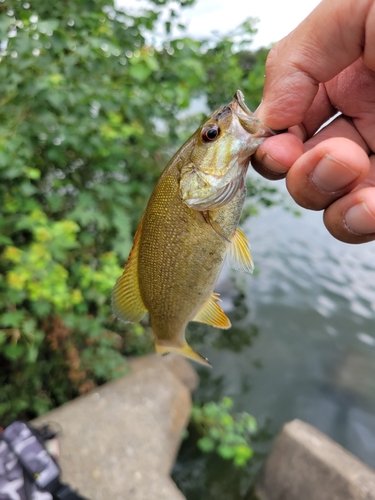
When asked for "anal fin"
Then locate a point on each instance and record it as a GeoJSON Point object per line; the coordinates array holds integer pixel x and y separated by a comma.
{"type": "Point", "coordinates": [127, 303]}
{"type": "Point", "coordinates": [212, 314]}
{"type": "Point", "coordinates": [238, 255]}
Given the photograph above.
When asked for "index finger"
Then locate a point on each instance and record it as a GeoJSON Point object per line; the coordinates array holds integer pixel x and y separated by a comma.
{"type": "Point", "coordinates": [331, 38]}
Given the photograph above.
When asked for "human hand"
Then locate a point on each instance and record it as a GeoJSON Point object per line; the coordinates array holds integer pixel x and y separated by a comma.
{"type": "Point", "coordinates": [327, 64]}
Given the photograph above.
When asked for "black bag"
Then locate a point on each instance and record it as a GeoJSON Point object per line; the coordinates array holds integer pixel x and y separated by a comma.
{"type": "Point", "coordinates": [27, 470]}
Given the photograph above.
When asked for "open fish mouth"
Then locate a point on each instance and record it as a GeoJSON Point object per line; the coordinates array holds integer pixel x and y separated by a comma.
{"type": "Point", "coordinates": [249, 122]}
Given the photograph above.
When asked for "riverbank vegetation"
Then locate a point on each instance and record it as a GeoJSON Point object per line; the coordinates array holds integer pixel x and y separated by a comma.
{"type": "Point", "coordinates": [93, 102]}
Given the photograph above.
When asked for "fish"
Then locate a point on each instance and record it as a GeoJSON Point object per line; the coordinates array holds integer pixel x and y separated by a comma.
{"type": "Point", "coordinates": [189, 227]}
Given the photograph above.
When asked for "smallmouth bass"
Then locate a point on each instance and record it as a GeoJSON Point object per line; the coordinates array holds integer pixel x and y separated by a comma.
{"type": "Point", "coordinates": [188, 228]}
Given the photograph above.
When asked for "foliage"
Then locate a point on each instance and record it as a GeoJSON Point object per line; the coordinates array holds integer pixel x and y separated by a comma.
{"type": "Point", "coordinates": [89, 115]}
{"type": "Point", "coordinates": [228, 435]}
{"type": "Point", "coordinates": [232, 63]}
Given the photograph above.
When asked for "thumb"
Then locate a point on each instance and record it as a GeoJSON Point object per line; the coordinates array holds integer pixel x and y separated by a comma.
{"type": "Point", "coordinates": [331, 38]}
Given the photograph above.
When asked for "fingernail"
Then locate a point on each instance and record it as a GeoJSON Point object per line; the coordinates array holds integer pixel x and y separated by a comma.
{"type": "Point", "coordinates": [360, 220]}
{"type": "Point", "coordinates": [331, 175]}
{"type": "Point", "coordinates": [273, 166]}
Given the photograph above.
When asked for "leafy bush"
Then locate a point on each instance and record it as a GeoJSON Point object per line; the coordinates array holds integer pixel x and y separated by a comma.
{"type": "Point", "coordinates": [89, 115]}
{"type": "Point", "coordinates": [226, 434]}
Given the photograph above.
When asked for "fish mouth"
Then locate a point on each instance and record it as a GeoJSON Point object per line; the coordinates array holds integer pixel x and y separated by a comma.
{"type": "Point", "coordinates": [249, 122]}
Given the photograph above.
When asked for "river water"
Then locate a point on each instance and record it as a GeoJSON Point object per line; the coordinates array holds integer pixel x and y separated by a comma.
{"type": "Point", "coordinates": [302, 343]}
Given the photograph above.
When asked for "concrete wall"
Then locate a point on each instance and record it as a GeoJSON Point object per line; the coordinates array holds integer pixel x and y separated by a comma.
{"type": "Point", "coordinates": [120, 441]}
{"type": "Point", "coordinates": [307, 465]}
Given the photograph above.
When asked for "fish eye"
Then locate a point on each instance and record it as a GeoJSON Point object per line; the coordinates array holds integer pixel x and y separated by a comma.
{"type": "Point", "coordinates": [210, 133]}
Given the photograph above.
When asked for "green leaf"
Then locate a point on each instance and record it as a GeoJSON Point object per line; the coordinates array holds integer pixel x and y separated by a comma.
{"type": "Point", "coordinates": [5, 240]}
{"type": "Point", "coordinates": [32, 173]}
{"type": "Point", "coordinates": [226, 451]}
{"type": "Point", "coordinates": [32, 354]}
{"type": "Point", "coordinates": [206, 444]}
{"type": "Point", "coordinates": [41, 308]}
{"type": "Point", "coordinates": [13, 351]}
{"type": "Point", "coordinates": [227, 403]}
{"type": "Point", "coordinates": [211, 410]}
{"type": "Point", "coordinates": [28, 326]}
{"type": "Point", "coordinates": [12, 319]}
{"type": "Point", "coordinates": [242, 454]}
{"type": "Point", "coordinates": [227, 421]}
{"type": "Point", "coordinates": [215, 433]}
{"type": "Point", "coordinates": [140, 71]}
{"type": "Point", "coordinates": [251, 424]}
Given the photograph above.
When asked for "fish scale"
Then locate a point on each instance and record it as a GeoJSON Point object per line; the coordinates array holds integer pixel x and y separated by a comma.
{"type": "Point", "coordinates": [181, 285]}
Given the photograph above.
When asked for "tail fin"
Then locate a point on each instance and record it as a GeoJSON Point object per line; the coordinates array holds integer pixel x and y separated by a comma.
{"type": "Point", "coordinates": [185, 350]}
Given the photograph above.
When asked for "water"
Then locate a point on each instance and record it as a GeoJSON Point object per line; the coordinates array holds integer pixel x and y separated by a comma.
{"type": "Point", "coordinates": [302, 343]}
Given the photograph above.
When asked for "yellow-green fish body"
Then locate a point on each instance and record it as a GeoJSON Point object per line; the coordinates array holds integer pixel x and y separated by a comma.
{"type": "Point", "coordinates": [189, 226]}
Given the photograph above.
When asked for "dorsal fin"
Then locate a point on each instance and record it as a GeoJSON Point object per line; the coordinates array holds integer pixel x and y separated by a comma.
{"type": "Point", "coordinates": [127, 303]}
{"type": "Point", "coordinates": [212, 314]}
{"type": "Point", "coordinates": [238, 255]}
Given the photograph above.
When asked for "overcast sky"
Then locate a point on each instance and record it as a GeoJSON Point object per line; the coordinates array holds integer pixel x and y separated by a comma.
{"type": "Point", "coordinates": [276, 17]}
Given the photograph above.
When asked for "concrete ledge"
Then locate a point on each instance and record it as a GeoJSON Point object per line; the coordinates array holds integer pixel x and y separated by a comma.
{"type": "Point", "coordinates": [120, 441]}
{"type": "Point", "coordinates": [307, 465]}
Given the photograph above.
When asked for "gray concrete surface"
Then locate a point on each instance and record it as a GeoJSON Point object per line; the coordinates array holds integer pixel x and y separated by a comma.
{"type": "Point", "coordinates": [120, 441]}
{"type": "Point", "coordinates": [307, 465]}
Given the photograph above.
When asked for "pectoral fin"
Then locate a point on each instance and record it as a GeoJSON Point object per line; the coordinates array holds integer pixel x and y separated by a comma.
{"type": "Point", "coordinates": [127, 303]}
{"type": "Point", "coordinates": [212, 314]}
{"type": "Point", "coordinates": [184, 350]}
{"type": "Point", "coordinates": [238, 255]}
{"type": "Point", "coordinates": [215, 226]}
